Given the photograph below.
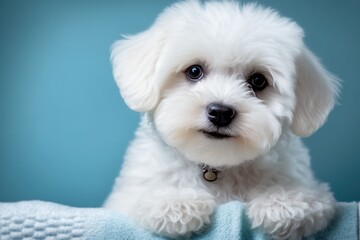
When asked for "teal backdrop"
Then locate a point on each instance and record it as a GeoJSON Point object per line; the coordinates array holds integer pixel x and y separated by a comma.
{"type": "Point", "coordinates": [64, 128]}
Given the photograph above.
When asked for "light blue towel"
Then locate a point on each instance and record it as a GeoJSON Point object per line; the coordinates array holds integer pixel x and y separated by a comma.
{"type": "Point", "coordinates": [44, 220]}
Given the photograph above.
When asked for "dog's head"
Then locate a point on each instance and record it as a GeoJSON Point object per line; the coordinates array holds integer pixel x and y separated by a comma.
{"type": "Point", "coordinates": [223, 82]}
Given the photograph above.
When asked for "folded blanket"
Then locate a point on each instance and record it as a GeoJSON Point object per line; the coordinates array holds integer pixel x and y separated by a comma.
{"type": "Point", "coordinates": [44, 220]}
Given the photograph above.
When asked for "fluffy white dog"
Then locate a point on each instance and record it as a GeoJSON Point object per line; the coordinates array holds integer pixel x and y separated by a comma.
{"type": "Point", "coordinates": [226, 91]}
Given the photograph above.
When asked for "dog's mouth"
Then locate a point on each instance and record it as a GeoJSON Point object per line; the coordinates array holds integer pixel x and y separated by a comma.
{"type": "Point", "coordinates": [216, 135]}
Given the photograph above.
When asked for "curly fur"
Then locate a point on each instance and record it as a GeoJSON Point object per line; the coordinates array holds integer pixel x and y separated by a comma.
{"type": "Point", "coordinates": [265, 164]}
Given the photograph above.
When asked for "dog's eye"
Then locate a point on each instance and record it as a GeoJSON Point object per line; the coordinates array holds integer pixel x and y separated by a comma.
{"type": "Point", "coordinates": [257, 81]}
{"type": "Point", "coordinates": [194, 73]}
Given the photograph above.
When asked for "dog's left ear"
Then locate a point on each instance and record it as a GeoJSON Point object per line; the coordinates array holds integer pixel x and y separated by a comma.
{"type": "Point", "coordinates": [316, 93]}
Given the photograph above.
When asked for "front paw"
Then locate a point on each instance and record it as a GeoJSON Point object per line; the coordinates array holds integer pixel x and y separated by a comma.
{"type": "Point", "coordinates": [173, 217]}
{"type": "Point", "coordinates": [291, 214]}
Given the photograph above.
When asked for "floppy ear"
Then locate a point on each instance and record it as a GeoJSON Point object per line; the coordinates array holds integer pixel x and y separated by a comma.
{"type": "Point", "coordinates": [134, 61]}
{"type": "Point", "coordinates": [316, 93]}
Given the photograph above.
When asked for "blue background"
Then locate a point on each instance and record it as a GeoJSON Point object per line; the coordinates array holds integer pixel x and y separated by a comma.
{"type": "Point", "coordinates": [64, 127]}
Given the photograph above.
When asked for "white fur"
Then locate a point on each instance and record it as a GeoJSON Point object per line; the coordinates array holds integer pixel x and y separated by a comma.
{"type": "Point", "coordinates": [265, 165]}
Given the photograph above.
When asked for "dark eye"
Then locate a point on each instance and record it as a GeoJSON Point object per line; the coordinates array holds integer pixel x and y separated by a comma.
{"type": "Point", "coordinates": [257, 81]}
{"type": "Point", "coordinates": [194, 73]}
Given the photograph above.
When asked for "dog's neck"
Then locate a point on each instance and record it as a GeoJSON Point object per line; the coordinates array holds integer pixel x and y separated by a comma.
{"type": "Point", "coordinates": [210, 173]}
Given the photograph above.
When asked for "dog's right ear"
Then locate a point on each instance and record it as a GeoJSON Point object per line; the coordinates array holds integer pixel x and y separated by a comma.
{"type": "Point", "coordinates": [135, 68]}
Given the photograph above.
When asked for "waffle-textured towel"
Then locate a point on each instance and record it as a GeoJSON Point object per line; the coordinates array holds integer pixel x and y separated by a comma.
{"type": "Point", "coordinates": [44, 220]}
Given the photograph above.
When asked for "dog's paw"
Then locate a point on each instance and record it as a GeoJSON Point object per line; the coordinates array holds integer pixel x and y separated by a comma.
{"type": "Point", "coordinates": [291, 215]}
{"type": "Point", "coordinates": [171, 217]}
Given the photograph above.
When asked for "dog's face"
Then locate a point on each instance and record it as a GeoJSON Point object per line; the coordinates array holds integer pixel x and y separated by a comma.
{"type": "Point", "coordinates": [222, 82]}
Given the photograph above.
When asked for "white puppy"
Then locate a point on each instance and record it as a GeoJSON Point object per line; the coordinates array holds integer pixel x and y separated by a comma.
{"type": "Point", "coordinates": [226, 91]}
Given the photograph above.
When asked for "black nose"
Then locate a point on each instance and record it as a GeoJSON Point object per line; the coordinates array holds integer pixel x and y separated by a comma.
{"type": "Point", "coordinates": [219, 114]}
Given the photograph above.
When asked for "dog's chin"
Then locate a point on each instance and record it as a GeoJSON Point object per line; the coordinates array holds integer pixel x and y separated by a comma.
{"type": "Point", "coordinates": [216, 135]}
{"type": "Point", "coordinates": [217, 148]}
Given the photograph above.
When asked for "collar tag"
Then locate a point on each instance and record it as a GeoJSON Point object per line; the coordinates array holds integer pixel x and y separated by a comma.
{"type": "Point", "coordinates": [209, 174]}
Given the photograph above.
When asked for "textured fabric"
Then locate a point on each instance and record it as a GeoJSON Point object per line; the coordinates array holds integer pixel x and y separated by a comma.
{"type": "Point", "coordinates": [344, 226]}
{"type": "Point", "coordinates": [44, 220]}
